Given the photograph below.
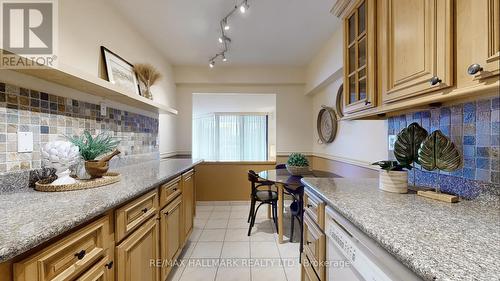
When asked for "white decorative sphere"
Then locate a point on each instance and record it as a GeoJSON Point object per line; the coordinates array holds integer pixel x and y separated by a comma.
{"type": "Point", "coordinates": [60, 155]}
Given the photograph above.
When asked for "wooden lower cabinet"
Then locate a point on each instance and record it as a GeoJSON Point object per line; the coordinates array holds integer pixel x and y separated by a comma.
{"type": "Point", "coordinates": [307, 272]}
{"type": "Point", "coordinates": [171, 235]}
{"type": "Point", "coordinates": [101, 271]}
{"type": "Point", "coordinates": [188, 201]}
{"type": "Point", "coordinates": [70, 257]}
{"type": "Point", "coordinates": [136, 256]}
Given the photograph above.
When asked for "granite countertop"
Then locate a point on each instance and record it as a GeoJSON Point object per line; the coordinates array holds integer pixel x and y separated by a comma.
{"type": "Point", "coordinates": [436, 240]}
{"type": "Point", "coordinates": [30, 218]}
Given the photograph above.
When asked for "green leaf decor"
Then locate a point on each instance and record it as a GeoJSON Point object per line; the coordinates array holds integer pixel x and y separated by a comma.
{"type": "Point", "coordinates": [438, 152]}
{"type": "Point", "coordinates": [408, 143]}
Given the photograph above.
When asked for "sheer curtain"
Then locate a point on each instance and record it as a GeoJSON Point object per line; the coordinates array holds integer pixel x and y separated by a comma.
{"type": "Point", "coordinates": [230, 137]}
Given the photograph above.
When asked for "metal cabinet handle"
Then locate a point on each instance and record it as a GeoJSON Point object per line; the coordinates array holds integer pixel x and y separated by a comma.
{"type": "Point", "coordinates": [80, 255]}
{"type": "Point", "coordinates": [175, 189]}
{"type": "Point", "coordinates": [109, 265]}
{"type": "Point", "coordinates": [309, 206]}
{"type": "Point", "coordinates": [308, 243]}
{"type": "Point", "coordinates": [435, 80]}
{"type": "Point", "coordinates": [368, 102]}
{"type": "Point", "coordinates": [474, 69]}
{"type": "Point", "coordinates": [145, 210]}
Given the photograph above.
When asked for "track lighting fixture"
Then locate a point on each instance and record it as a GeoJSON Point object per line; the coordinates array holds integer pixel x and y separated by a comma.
{"type": "Point", "coordinates": [224, 26]}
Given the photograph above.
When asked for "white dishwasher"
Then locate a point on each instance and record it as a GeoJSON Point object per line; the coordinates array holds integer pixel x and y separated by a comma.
{"type": "Point", "coordinates": [353, 256]}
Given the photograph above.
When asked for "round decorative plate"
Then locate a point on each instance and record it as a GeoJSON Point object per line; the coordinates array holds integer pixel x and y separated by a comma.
{"type": "Point", "coordinates": [327, 124]}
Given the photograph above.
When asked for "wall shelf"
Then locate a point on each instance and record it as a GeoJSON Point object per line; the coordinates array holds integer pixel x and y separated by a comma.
{"type": "Point", "coordinates": [79, 80]}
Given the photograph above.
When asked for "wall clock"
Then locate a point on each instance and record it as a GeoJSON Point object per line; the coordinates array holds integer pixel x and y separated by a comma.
{"type": "Point", "coordinates": [326, 124]}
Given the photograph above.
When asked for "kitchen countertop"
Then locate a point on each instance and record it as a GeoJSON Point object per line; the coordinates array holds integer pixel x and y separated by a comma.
{"type": "Point", "coordinates": [437, 240]}
{"type": "Point", "coordinates": [29, 218]}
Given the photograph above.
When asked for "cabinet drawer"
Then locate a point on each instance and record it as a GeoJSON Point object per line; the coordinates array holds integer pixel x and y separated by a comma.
{"type": "Point", "coordinates": [307, 272]}
{"type": "Point", "coordinates": [68, 258]}
{"type": "Point", "coordinates": [315, 207]}
{"type": "Point", "coordinates": [101, 271]}
{"type": "Point", "coordinates": [170, 191]}
{"type": "Point", "coordinates": [315, 246]}
{"type": "Point", "coordinates": [132, 215]}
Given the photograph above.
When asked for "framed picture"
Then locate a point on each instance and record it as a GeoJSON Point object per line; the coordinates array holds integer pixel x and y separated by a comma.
{"type": "Point", "coordinates": [119, 71]}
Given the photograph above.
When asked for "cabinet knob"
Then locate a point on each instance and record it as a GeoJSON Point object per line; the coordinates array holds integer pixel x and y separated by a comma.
{"type": "Point", "coordinates": [109, 265]}
{"type": "Point", "coordinates": [145, 210]}
{"type": "Point", "coordinates": [367, 102]}
{"type": "Point", "coordinates": [175, 189]}
{"type": "Point", "coordinates": [308, 242]}
{"type": "Point", "coordinates": [435, 80]}
{"type": "Point", "coordinates": [309, 206]}
{"type": "Point", "coordinates": [474, 69]}
{"type": "Point", "coordinates": [80, 255]}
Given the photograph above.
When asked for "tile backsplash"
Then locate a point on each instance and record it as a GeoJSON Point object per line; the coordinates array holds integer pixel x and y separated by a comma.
{"type": "Point", "coordinates": [474, 127]}
{"type": "Point", "coordinates": [50, 117]}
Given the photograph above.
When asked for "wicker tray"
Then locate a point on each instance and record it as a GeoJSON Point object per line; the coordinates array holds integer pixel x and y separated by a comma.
{"type": "Point", "coordinates": [108, 178]}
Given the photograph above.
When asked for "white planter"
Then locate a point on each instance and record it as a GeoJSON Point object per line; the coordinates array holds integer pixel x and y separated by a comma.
{"type": "Point", "coordinates": [393, 181]}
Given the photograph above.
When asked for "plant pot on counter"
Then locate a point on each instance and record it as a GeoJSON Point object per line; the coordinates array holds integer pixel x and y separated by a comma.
{"type": "Point", "coordinates": [96, 168]}
{"type": "Point", "coordinates": [393, 181]}
{"type": "Point", "coordinates": [298, 170]}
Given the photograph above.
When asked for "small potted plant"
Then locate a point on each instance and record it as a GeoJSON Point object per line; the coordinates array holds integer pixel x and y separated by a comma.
{"type": "Point", "coordinates": [93, 147]}
{"type": "Point", "coordinates": [297, 164]}
{"type": "Point", "coordinates": [393, 176]}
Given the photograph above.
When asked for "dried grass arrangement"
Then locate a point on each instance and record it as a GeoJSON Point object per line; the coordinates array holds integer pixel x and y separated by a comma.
{"type": "Point", "coordinates": [148, 75]}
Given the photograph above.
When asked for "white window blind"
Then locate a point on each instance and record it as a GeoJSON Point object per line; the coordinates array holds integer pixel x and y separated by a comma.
{"type": "Point", "coordinates": [230, 137]}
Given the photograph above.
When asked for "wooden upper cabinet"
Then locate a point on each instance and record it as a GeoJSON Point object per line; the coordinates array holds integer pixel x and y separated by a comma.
{"type": "Point", "coordinates": [415, 47]}
{"type": "Point", "coordinates": [478, 40]}
{"type": "Point", "coordinates": [359, 57]}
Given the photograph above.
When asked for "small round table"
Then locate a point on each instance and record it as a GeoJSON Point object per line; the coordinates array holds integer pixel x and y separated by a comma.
{"type": "Point", "coordinates": [285, 181]}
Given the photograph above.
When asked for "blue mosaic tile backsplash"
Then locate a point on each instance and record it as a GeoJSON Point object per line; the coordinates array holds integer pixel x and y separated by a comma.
{"type": "Point", "coordinates": [474, 127]}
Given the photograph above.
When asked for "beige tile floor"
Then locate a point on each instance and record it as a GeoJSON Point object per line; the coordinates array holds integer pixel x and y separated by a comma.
{"type": "Point", "coordinates": [219, 248]}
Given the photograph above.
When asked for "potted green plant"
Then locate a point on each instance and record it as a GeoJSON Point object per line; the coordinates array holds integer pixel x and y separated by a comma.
{"type": "Point", "coordinates": [297, 164]}
{"type": "Point", "coordinates": [93, 147]}
{"type": "Point", "coordinates": [394, 176]}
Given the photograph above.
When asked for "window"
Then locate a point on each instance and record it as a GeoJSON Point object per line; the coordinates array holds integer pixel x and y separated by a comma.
{"type": "Point", "coordinates": [231, 137]}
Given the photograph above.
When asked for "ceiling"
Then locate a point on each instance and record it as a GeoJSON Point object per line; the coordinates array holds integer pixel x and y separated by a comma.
{"type": "Point", "coordinates": [272, 32]}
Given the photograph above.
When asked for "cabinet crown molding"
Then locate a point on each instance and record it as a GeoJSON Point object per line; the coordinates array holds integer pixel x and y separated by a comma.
{"type": "Point", "coordinates": [340, 7]}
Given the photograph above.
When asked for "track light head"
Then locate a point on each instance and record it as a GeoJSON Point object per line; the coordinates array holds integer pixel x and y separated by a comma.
{"type": "Point", "coordinates": [211, 64]}
{"type": "Point", "coordinates": [224, 59]}
{"type": "Point", "coordinates": [224, 38]}
{"type": "Point", "coordinates": [244, 7]}
{"type": "Point", "coordinates": [225, 25]}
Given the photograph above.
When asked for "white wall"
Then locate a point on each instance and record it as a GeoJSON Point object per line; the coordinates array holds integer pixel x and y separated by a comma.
{"type": "Point", "coordinates": [84, 26]}
{"type": "Point", "coordinates": [204, 103]}
{"type": "Point", "coordinates": [357, 142]}
{"type": "Point", "coordinates": [293, 111]}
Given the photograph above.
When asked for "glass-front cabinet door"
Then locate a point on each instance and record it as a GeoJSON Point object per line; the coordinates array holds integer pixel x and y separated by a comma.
{"type": "Point", "coordinates": [359, 57]}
